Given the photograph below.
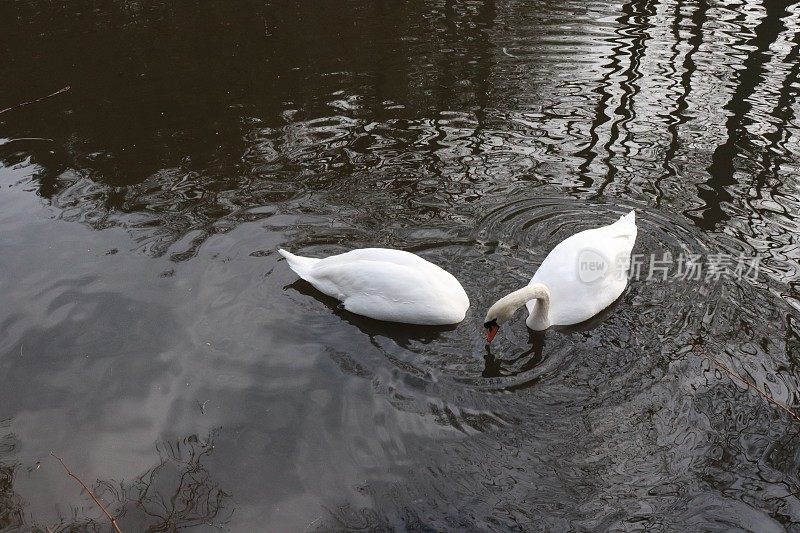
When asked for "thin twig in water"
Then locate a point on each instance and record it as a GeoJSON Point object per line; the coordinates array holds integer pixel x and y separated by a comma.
{"type": "Point", "coordinates": [736, 377]}
{"type": "Point", "coordinates": [23, 104]}
{"type": "Point", "coordinates": [92, 494]}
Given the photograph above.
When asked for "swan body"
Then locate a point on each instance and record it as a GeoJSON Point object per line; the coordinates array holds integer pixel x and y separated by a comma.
{"type": "Point", "coordinates": [580, 277]}
{"type": "Point", "coordinates": [386, 284]}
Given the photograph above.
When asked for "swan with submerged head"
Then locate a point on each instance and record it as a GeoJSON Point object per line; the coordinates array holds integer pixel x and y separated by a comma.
{"type": "Point", "coordinates": [580, 277]}
{"type": "Point", "coordinates": [386, 284]}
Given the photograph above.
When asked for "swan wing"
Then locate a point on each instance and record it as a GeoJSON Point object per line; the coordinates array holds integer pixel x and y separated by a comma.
{"type": "Point", "coordinates": [397, 257]}
{"type": "Point", "coordinates": [392, 291]}
{"type": "Point", "coordinates": [586, 272]}
{"type": "Point", "coordinates": [381, 255]}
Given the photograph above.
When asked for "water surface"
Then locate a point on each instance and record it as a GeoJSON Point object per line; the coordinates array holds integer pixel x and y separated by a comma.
{"type": "Point", "coordinates": [150, 336]}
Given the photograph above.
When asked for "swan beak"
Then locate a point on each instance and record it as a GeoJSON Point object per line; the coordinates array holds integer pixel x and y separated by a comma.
{"type": "Point", "coordinates": [491, 331]}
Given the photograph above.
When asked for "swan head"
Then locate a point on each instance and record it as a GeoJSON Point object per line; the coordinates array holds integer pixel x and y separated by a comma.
{"type": "Point", "coordinates": [497, 314]}
{"type": "Point", "coordinates": [504, 308]}
{"type": "Point", "coordinates": [492, 327]}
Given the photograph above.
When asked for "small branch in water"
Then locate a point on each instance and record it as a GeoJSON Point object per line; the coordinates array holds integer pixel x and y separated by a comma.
{"type": "Point", "coordinates": [747, 383]}
{"type": "Point", "coordinates": [23, 104]}
{"type": "Point", "coordinates": [92, 494]}
{"type": "Point", "coordinates": [736, 377]}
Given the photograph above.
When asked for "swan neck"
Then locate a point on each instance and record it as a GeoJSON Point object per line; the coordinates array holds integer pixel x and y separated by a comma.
{"type": "Point", "coordinates": [539, 318]}
{"type": "Point", "coordinates": [535, 291]}
{"type": "Point", "coordinates": [508, 304]}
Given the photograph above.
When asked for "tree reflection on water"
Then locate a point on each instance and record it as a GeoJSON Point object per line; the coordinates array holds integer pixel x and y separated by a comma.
{"type": "Point", "coordinates": [177, 493]}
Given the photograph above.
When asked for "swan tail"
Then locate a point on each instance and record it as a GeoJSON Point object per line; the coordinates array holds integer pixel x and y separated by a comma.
{"type": "Point", "coordinates": [300, 265]}
{"type": "Point", "coordinates": [626, 225]}
{"type": "Point", "coordinates": [630, 218]}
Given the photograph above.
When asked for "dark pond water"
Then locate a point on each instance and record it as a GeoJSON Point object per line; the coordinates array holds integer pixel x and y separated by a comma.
{"type": "Point", "coordinates": [150, 336]}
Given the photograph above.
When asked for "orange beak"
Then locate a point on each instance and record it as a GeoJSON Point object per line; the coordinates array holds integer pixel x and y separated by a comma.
{"type": "Point", "coordinates": [491, 331]}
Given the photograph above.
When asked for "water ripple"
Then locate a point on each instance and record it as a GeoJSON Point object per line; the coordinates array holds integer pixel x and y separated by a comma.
{"type": "Point", "coordinates": [152, 336]}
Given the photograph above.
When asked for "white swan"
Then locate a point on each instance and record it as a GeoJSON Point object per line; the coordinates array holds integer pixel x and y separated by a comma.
{"type": "Point", "coordinates": [580, 277]}
{"type": "Point", "coordinates": [386, 284]}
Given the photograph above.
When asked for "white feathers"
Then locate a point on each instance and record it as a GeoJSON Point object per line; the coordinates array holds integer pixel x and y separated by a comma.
{"type": "Point", "coordinates": [386, 284]}
{"type": "Point", "coordinates": [580, 277]}
{"type": "Point", "coordinates": [300, 265]}
{"type": "Point", "coordinates": [585, 273]}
